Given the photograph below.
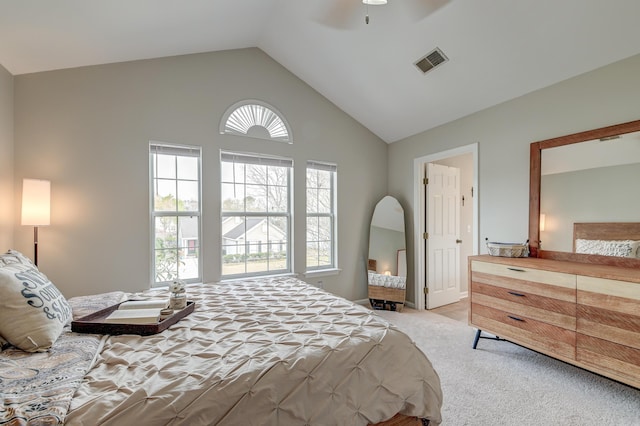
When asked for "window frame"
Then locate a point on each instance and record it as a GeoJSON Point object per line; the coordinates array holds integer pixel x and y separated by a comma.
{"type": "Point", "coordinates": [178, 150]}
{"type": "Point", "coordinates": [332, 215]}
{"type": "Point", "coordinates": [253, 112]}
{"type": "Point", "coordinates": [266, 159]}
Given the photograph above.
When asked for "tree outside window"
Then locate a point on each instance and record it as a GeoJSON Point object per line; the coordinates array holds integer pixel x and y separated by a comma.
{"type": "Point", "coordinates": [256, 214]}
{"type": "Point", "coordinates": [175, 184]}
{"type": "Point", "coordinates": [321, 208]}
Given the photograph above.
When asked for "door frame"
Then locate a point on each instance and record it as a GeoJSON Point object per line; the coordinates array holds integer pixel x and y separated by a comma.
{"type": "Point", "coordinates": [420, 212]}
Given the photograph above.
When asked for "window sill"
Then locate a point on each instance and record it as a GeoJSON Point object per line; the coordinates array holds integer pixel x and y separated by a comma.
{"type": "Point", "coordinates": [322, 272]}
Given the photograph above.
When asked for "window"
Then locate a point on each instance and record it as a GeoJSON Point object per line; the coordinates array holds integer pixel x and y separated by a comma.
{"type": "Point", "coordinates": [256, 214]}
{"type": "Point", "coordinates": [175, 213]}
{"type": "Point", "coordinates": [255, 119]}
{"type": "Point", "coordinates": [321, 215]}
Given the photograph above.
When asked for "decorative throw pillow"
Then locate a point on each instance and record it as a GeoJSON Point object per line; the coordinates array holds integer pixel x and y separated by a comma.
{"type": "Point", "coordinates": [619, 248]}
{"type": "Point", "coordinates": [12, 257]}
{"type": "Point", "coordinates": [33, 312]}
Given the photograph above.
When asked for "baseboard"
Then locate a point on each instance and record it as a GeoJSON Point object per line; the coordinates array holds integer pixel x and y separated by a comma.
{"type": "Point", "coordinates": [464, 294]}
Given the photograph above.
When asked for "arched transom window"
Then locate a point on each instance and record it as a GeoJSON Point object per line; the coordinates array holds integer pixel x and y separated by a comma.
{"type": "Point", "coordinates": [255, 119]}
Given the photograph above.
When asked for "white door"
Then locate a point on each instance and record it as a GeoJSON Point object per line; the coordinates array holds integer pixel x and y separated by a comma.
{"type": "Point", "coordinates": [443, 235]}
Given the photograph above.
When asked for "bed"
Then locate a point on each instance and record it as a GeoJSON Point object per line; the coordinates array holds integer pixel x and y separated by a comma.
{"type": "Point", "coordinates": [388, 291]}
{"type": "Point", "coordinates": [271, 351]}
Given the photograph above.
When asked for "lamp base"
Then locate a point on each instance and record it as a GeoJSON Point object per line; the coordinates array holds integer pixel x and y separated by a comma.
{"type": "Point", "coordinates": [35, 245]}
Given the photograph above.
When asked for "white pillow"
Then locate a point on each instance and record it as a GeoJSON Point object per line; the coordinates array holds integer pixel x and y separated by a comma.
{"type": "Point", "coordinates": [619, 248]}
{"type": "Point", "coordinates": [33, 312]}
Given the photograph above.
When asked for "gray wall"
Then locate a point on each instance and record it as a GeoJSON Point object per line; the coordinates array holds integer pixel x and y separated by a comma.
{"type": "Point", "coordinates": [6, 160]}
{"type": "Point", "coordinates": [602, 97]}
{"type": "Point", "coordinates": [593, 195]}
{"type": "Point", "coordinates": [88, 129]}
{"type": "Point", "coordinates": [383, 247]}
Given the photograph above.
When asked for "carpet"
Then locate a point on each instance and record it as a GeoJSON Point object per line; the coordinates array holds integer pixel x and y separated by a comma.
{"type": "Point", "coordinates": [501, 383]}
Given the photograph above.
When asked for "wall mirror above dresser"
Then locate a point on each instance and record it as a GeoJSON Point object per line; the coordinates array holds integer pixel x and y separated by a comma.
{"type": "Point", "coordinates": [583, 190]}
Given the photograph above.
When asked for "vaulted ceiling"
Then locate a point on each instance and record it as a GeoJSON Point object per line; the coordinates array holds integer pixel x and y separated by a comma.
{"type": "Point", "coordinates": [497, 49]}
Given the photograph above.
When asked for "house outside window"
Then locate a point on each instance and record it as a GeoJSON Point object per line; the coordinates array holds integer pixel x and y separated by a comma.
{"type": "Point", "coordinates": [321, 216]}
{"type": "Point", "coordinates": [256, 214]}
{"type": "Point", "coordinates": [175, 213]}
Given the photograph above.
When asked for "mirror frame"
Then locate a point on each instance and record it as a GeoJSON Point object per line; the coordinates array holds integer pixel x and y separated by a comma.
{"type": "Point", "coordinates": [534, 194]}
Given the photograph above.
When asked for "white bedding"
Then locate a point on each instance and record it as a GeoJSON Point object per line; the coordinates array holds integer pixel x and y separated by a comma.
{"type": "Point", "coordinates": [261, 352]}
{"type": "Point", "coordinates": [389, 281]}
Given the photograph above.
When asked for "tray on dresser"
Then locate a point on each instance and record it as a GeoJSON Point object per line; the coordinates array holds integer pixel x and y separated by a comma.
{"type": "Point", "coordinates": [93, 323]}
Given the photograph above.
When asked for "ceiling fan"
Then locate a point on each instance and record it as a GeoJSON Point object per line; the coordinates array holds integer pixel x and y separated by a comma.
{"type": "Point", "coordinates": [343, 14]}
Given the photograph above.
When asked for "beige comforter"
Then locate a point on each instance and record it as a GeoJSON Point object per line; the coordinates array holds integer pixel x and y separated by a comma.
{"type": "Point", "coordinates": [261, 352]}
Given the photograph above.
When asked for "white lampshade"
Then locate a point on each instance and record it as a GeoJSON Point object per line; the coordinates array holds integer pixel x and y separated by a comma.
{"type": "Point", "coordinates": [374, 2]}
{"type": "Point", "coordinates": [36, 202]}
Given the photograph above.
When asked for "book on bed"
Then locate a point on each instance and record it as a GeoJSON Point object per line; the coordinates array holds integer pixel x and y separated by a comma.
{"type": "Point", "coordinates": [134, 316]}
{"type": "Point", "coordinates": [144, 304]}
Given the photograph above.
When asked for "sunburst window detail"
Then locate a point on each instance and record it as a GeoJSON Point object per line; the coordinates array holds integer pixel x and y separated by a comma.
{"type": "Point", "coordinates": [255, 119]}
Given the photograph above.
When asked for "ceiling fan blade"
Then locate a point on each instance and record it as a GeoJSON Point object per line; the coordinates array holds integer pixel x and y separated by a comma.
{"type": "Point", "coordinates": [340, 14]}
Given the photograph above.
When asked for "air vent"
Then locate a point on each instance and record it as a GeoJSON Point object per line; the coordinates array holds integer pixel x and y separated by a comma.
{"type": "Point", "coordinates": [431, 60]}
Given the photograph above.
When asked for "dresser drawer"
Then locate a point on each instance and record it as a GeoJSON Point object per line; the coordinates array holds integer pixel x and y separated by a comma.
{"type": "Point", "coordinates": [513, 290]}
{"type": "Point", "coordinates": [534, 334]}
{"type": "Point", "coordinates": [625, 295]}
{"type": "Point", "coordinates": [611, 359]}
{"type": "Point", "coordinates": [514, 300]}
{"type": "Point", "coordinates": [609, 310]}
{"type": "Point", "coordinates": [550, 284]}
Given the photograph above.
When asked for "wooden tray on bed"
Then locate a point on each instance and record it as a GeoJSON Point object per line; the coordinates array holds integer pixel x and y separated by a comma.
{"type": "Point", "coordinates": [93, 324]}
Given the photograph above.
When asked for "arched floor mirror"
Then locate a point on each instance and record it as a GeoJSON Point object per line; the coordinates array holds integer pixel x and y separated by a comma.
{"type": "Point", "coordinates": [387, 266]}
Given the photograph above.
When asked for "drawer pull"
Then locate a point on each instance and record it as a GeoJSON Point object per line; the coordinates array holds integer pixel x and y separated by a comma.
{"type": "Point", "coordinates": [513, 293]}
{"type": "Point", "coordinates": [516, 269]}
{"type": "Point", "coordinates": [515, 318]}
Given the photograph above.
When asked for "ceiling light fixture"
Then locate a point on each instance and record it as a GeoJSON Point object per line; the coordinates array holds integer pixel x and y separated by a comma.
{"type": "Point", "coordinates": [372, 3]}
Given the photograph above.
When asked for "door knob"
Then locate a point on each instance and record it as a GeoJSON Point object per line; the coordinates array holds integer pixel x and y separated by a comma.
{"type": "Point", "coordinates": [458, 241]}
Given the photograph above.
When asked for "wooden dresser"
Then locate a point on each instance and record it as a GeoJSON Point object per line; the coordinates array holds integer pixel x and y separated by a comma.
{"type": "Point", "coordinates": [587, 315]}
